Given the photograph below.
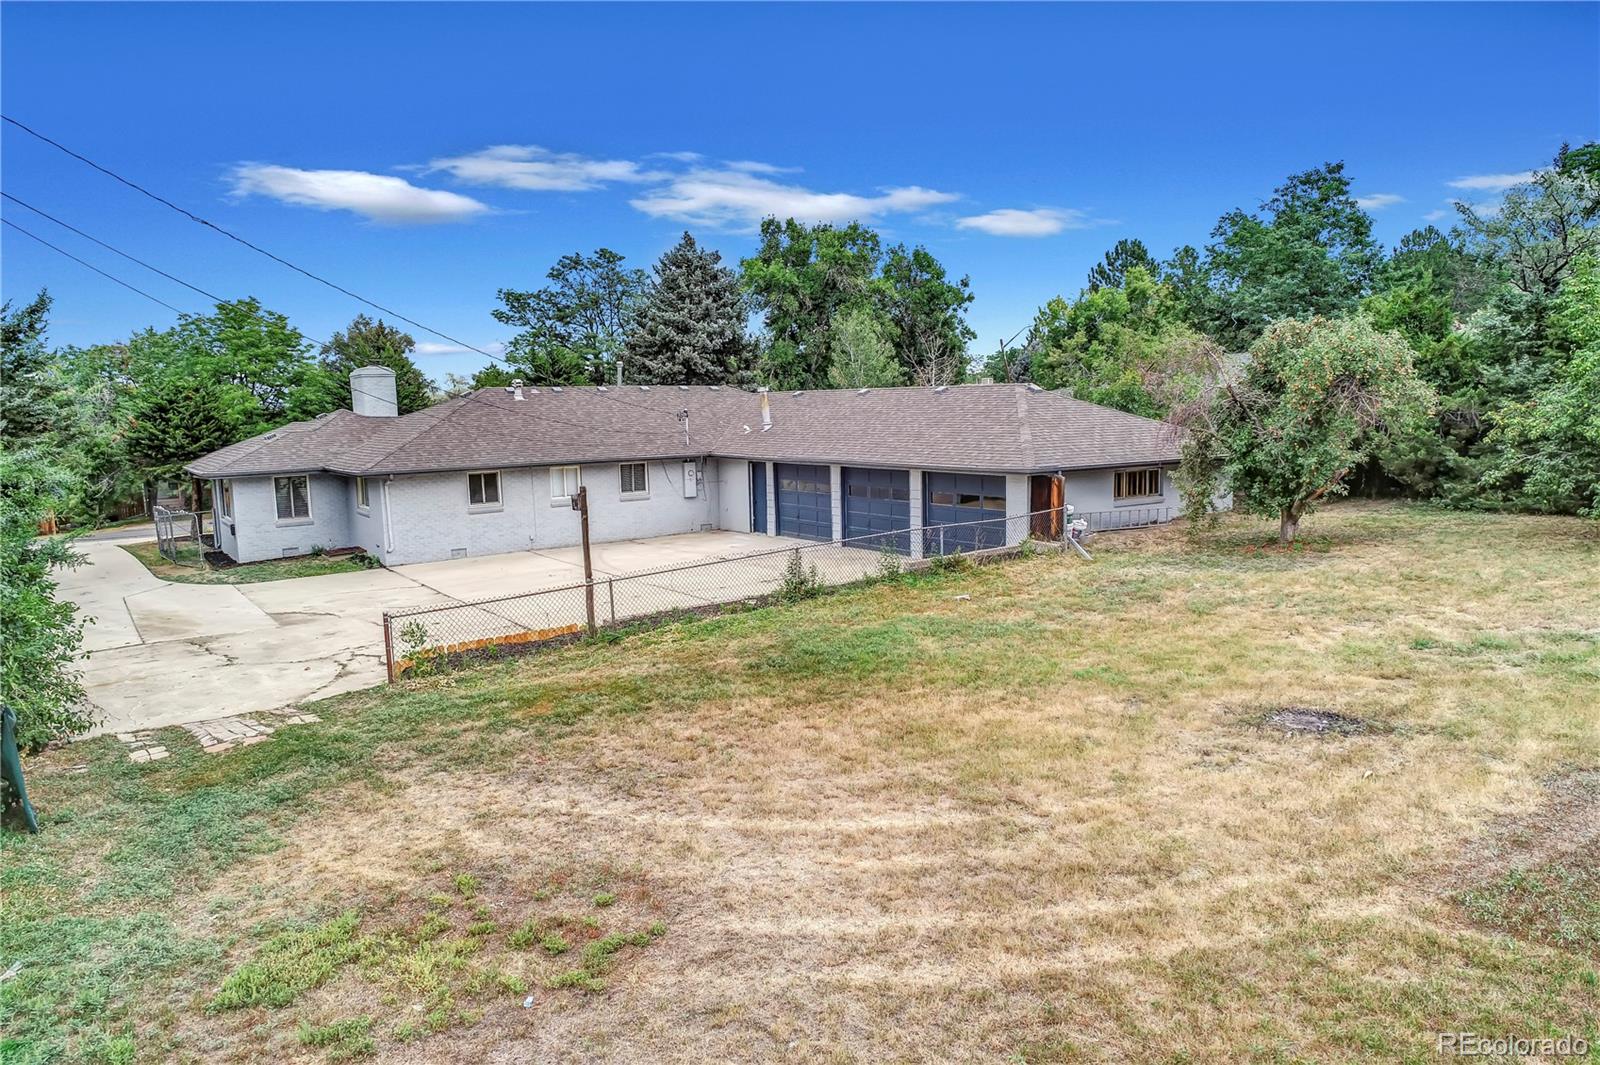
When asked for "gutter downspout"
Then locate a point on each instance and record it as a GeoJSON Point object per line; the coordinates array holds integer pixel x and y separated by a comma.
{"type": "Point", "coordinates": [388, 521]}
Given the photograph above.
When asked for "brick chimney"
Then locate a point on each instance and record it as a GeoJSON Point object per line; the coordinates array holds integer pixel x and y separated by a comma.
{"type": "Point", "coordinates": [372, 392]}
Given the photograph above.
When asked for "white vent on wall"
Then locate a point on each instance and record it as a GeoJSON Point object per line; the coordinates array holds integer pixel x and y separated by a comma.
{"type": "Point", "coordinates": [458, 552]}
{"type": "Point", "coordinates": [290, 552]}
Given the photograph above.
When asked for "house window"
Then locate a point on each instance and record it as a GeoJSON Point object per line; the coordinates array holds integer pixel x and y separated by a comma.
{"type": "Point", "coordinates": [483, 489]}
{"type": "Point", "coordinates": [563, 485]}
{"type": "Point", "coordinates": [225, 498]}
{"type": "Point", "coordinates": [1137, 484]}
{"type": "Point", "coordinates": [361, 493]}
{"type": "Point", "coordinates": [635, 481]}
{"type": "Point", "coordinates": [293, 495]}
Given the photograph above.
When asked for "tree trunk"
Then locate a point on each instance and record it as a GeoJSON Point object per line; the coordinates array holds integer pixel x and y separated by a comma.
{"type": "Point", "coordinates": [1288, 525]}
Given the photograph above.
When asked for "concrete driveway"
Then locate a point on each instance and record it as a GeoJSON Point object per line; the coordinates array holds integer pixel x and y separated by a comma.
{"type": "Point", "coordinates": [162, 653]}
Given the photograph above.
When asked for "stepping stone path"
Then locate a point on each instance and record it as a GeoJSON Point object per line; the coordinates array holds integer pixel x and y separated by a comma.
{"type": "Point", "coordinates": [217, 735]}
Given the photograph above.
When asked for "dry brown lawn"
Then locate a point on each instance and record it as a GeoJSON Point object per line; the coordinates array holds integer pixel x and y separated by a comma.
{"type": "Point", "coordinates": [1049, 822]}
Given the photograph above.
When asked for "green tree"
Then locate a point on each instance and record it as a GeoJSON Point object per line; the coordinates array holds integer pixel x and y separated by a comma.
{"type": "Point", "coordinates": [1540, 229]}
{"type": "Point", "coordinates": [1316, 399]}
{"type": "Point", "coordinates": [690, 330]}
{"type": "Point", "coordinates": [862, 355]}
{"type": "Point", "coordinates": [29, 388]}
{"type": "Point", "coordinates": [1104, 345]}
{"type": "Point", "coordinates": [261, 361]}
{"type": "Point", "coordinates": [365, 343]}
{"type": "Point", "coordinates": [799, 279]}
{"type": "Point", "coordinates": [573, 329]}
{"type": "Point", "coordinates": [1308, 252]}
{"type": "Point", "coordinates": [39, 634]}
{"type": "Point", "coordinates": [926, 312]}
{"type": "Point", "coordinates": [172, 420]}
{"type": "Point", "coordinates": [1548, 447]}
{"type": "Point", "coordinates": [1112, 270]}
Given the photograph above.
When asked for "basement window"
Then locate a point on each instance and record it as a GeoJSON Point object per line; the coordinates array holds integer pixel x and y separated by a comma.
{"type": "Point", "coordinates": [635, 480]}
{"type": "Point", "coordinates": [293, 496]}
{"type": "Point", "coordinates": [483, 490]}
{"type": "Point", "coordinates": [1136, 484]}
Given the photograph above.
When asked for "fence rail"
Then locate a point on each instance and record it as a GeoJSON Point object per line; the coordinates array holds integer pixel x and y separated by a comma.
{"type": "Point", "coordinates": [426, 637]}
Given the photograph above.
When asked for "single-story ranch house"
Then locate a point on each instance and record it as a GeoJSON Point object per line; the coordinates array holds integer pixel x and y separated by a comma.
{"type": "Point", "coordinates": [495, 470]}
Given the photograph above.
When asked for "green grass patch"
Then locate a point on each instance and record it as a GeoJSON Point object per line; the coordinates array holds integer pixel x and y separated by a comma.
{"type": "Point", "coordinates": [292, 963]}
{"type": "Point", "coordinates": [1557, 903]}
{"type": "Point", "coordinates": [351, 1038]}
{"type": "Point", "coordinates": [197, 572]}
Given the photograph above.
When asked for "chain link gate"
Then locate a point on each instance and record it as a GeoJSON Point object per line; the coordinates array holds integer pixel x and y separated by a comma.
{"type": "Point", "coordinates": [178, 537]}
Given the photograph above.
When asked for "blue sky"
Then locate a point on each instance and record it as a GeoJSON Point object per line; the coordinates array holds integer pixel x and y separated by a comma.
{"type": "Point", "coordinates": [427, 155]}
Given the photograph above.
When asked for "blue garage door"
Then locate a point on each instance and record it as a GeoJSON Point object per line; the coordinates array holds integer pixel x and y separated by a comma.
{"type": "Point", "coordinates": [972, 506]}
{"type": "Point", "coordinates": [805, 501]}
{"type": "Point", "coordinates": [877, 505]}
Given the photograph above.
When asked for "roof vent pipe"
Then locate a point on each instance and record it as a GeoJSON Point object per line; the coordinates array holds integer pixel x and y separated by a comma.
{"type": "Point", "coordinates": [516, 389]}
{"type": "Point", "coordinates": [766, 411]}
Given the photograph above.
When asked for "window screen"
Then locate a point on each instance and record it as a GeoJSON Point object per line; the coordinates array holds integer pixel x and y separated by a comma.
{"type": "Point", "coordinates": [563, 483]}
{"type": "Point", "coordinates": [634, 479]}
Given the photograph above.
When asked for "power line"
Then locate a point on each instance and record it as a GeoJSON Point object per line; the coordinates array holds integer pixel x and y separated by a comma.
{"type": "Point", "coordinates": [91, 266]}
{"type": "Point", "coordinates": [235, 237]}
{"type": "Point", "coordinates": [471, 396]}
{"type": "Point", "coordinates": [132, 258]}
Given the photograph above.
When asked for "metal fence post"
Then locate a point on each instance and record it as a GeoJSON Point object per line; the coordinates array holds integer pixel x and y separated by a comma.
{"type": "Point", "coordinates": [611, 592]}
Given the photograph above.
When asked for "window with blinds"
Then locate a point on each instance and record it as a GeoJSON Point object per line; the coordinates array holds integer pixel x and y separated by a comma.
{"type": "Point", "coordinates": [634, 479]}
{"type": "Point", "coordinates": [293, 495]}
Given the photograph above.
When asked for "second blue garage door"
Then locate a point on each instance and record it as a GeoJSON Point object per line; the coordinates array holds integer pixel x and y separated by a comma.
{"type": "Point", "coordinates": [805, 501]}
{"type": "Point", "coordinates": [877, 505]}
{"type": "Point", "coordinates": [975, 505]}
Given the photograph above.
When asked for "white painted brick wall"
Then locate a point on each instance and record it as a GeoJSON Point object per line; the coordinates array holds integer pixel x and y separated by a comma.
{"type": "Point", "coordinates": [259, 535]}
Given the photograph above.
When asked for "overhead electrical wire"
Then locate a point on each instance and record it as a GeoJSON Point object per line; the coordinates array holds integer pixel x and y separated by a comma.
{"type": "Point", "coordinates": [256, 248]}
{"type": "Point", "coordinates": [241, 240]}
{"type": "Point", "coordinates": [472, 396]}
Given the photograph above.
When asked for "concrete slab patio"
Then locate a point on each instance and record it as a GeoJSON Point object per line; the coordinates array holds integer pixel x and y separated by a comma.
{"type": "Point", "coordinates": [163, 653]}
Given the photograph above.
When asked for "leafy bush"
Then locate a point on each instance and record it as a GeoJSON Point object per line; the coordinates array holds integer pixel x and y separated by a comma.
{"type": "Point", "coordinates": [39, 634]}
{"type": "Point", "coordinates": [798, 581]}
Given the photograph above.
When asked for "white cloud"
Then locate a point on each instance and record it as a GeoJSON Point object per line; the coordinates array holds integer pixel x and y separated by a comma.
{"type": "Point", "coordinates": [737, 199]}
{"type": "Point", "coordinates": [433, 347]}
{"type": "Point", "coordinates": [1491, 182]}
{"type": "Point", "coordinates": [1039, 222]}
{"type": "Point", "coordinates": [375, 196]}
{"type": "Point", "coordinates": [1379, 200]}
{"type": "Point", "coordinates": [1436, 216]}
{"type": "Point", "coordinates": [535, 169]}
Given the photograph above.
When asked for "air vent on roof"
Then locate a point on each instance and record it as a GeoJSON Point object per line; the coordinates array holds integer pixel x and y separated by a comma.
{"type": "Point", "coordinates": [600, 388]}
{"type": "Point", "coordinates": [796, 395]}
{"type": "Point", "coordinates": [1033, 387]}
{"type": "Point", "coordinates": [644, 388]}
{"type": "Point", "coordinates": [683, 388]}
{"type": "Point", "coordinates": [715, 388]}
{"type": "Point", "coordinates": [941, 388]}
{"type": "Point", "coordinates": [862, 391]}
{"type": "Point", "coordinates": [746, 428]}
{"type": "Point", "coordinates": [555, 388]}
{"type": "Point", "coordinates": [270, 436]}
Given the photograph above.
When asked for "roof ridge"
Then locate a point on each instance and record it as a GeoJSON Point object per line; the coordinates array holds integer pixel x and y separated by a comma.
{"type": "Point", "coordinates": [455, 403]}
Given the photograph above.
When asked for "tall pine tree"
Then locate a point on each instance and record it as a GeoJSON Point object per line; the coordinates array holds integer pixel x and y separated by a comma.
{"type": "Point", "coordinates": [691, 329]}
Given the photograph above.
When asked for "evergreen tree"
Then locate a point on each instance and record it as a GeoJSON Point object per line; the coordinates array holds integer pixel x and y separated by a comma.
{"type": "Point", "coordinates": [365, 343]}
{"type": "Point", "coordinates": [1113, 269]}
{"type": "Point", "coordinates": [172, 421]}
{"type": "Point", "coordinates": [29, 391]}
{"type": "Point", "coordinates": [690, 331]}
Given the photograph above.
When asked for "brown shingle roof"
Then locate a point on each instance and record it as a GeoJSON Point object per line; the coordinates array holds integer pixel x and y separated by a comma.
{"type": "Point", "coordinates": [995, 428]}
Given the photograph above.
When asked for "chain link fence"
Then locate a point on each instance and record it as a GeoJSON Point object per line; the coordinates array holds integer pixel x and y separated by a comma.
{"type": "Point", "coordinates": [178, 537]}
{"type": "Point", "coordinates": [425, 639]}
